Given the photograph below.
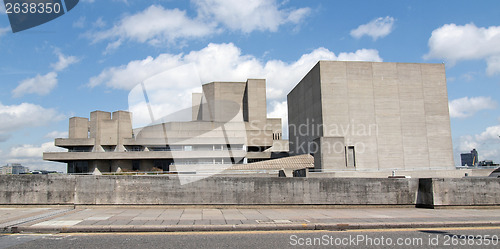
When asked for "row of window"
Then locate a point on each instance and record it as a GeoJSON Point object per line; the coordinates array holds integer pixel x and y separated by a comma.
{"type": "Point", "coordinates": [213, 147]}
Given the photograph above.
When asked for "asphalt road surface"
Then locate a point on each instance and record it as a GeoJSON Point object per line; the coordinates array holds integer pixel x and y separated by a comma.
{"type": "Point", "coordinates": [478, 237]}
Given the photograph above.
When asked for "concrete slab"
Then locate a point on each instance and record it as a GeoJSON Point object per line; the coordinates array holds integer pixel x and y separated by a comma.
{"type": "Point", "coordinates": [312, 219]}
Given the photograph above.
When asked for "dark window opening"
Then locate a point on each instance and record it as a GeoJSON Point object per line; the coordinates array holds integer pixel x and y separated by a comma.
{"type": "Point", "coordinates": [350, 156]}
{"type": "Point", "coordinates": [136, 165]}
{"type": "Point", "coordinates": [77, 167]}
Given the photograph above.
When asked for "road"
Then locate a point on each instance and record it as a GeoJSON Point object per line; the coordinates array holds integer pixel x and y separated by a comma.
{"type": "Point", "coordinates": [478, 237]}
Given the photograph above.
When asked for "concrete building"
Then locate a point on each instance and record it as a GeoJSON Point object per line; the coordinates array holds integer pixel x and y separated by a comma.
{"type": "Point", "coordinates": [372, 117]}
{"type": "Point", "coordinates": [469, 159]}
{"type": "Point", "coordinates": [229, 126]}
{"type": "Point", "coordinates": [14, 169]}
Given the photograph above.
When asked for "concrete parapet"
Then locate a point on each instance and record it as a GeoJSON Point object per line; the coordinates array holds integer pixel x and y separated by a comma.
{"type": "Point", "coordinates": [218, 190]}
{"type": "Point", "coordinates": [440, 192]}
{"type": "Point", "coordinates": [37, 189]}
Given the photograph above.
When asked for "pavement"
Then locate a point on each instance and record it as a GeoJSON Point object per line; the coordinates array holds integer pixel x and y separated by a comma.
{"type": "Point", "coordinates": [69, 219]}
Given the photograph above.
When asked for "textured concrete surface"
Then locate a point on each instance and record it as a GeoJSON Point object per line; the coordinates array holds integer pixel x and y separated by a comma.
{"type": "Point", "coordinates": [395, 115]}
{"type": "Point", "coordinates": [459, 192]}
{"type": "Point", "coordinates": [130, 219]}
{"type": "Point", "coordinates": [167, 190]}
{"type": "Point", "coordinates": [226, 119]}
{"type": "Point", "coordinates": [151, 190]}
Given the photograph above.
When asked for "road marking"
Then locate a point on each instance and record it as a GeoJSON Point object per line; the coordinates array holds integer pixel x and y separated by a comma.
{"type": "Point", "coordinates": [287, 231]}
{"type": "Point", "coordinates": [419, 229]}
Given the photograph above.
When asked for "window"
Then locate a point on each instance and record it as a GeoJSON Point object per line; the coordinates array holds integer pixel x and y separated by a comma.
{"type": "Point", "coordinates": [166, 148]}
{"type": "Point", "coordinates": [350, 156]}
{"type": "Point", "coordinates": [108, 148]}
{"type": "Point", "coordinates": [163, 164]}
{"type": "Point", "coordinates": [136, 165]}
{"type": "Point", "coordinates": [78, 167]}
{"type": "Point", "coordinates": [80, 149]}
{"type": "Point", "coordinates": [134, 148]}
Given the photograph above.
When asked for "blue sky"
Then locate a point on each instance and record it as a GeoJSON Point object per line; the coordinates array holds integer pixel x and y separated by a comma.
{"type": "Point", "coordinates": [91, 57]}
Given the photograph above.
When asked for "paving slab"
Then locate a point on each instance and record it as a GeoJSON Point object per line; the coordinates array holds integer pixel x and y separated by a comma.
{"type": "Point", "coordinates": [123, 219]}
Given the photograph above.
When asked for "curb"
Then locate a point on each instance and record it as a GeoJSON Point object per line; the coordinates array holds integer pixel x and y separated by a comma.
{"type": "Point", "coordinates": [241, 227]}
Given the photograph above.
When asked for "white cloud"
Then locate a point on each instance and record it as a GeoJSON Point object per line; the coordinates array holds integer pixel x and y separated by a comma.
{"type": "Point", "coordinates": [56, 134]}
{"type": "Point", "coordinates": [156, 25]}
{"type": "Point", "coordinates": [467, 107]}
{"type": "Point", "coordinates": [43, 84]}
{"type": "Point", "coordinates": [280, 110]}
{"type": "Point", "coordinates": [222, 62]}
{"type": "Point", "coordinates": [63, 61]}
{"type": "Point", "coordinates": [455, 43]}
{"type": "Point", "coordinates": [40, 84]}
{"type": "Point", "coordinates": [16, 117]}
{"type": "Point", "coordinates": [31, 156]}
{"type": "Point", "coordinates": [490, 134]}
{"type": "Point", "coordinates": [32, 151]}
{"type": "Point", "coordinates": [377, 28]}
{"type": "Point", "coordinates": [263, 15]}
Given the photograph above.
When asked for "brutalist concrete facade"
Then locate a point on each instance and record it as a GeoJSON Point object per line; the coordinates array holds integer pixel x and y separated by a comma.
{"type": "Point", "coordinates": [372, 116]}
{"type": "Point", "coordinates": [229, 126]}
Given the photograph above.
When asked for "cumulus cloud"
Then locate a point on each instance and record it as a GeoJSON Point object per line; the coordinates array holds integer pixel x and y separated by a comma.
{"type": "Point", "coordinates": [44, 84]}
{"type": "Point", "coordinates": [280, 110]}
{"type": "Point", "coordinates": [455, 43]}
{"type": "Point", "coordinates": [31, 156]}
{"type": "Point", "coordinates": [16, 117]}
{"type": "Point", "coordinates": [377, 28]}
{"type": "Point", "coordinates": [63, 61]}
{"type": "Point", "coordinates": [157, 25]}
{"type": "Point", "coordinates": [263, 15]}
{"type": "Point", "coordinates": [223, 62]}
{"type": "Point", "coordinates": [40, 84]}
{"type": "Point", "coordinates": [491, 133]}
{"type": "Point", "coordinates": [467, 107]}
{"type": "Point", "coordinates": [33, 151]}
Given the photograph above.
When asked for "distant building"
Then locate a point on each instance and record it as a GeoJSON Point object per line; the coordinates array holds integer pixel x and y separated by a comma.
{"type": "Point", "coordinates": [470, 159]}
{"type": "Point", "coordinates": [14, 169]}
{"type": "Point", "coordinates": [488, 163]}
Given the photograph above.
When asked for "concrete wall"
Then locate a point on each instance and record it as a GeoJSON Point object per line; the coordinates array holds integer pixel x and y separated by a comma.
{"type": "Point", "coordinates": [37, 189]}
{"type": "Point", "coordinates": [305, 113]}
{"type": "Point", "coordinates": [435, 192]}
{"type": "Point", "coordinates": [394, 114]}
{"type": "Point", "coordinates": [166, 190]}
{"type": "Point", "coordinates": [137, 190]}
{"type": "Point", "coordinates": [78, 128]}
